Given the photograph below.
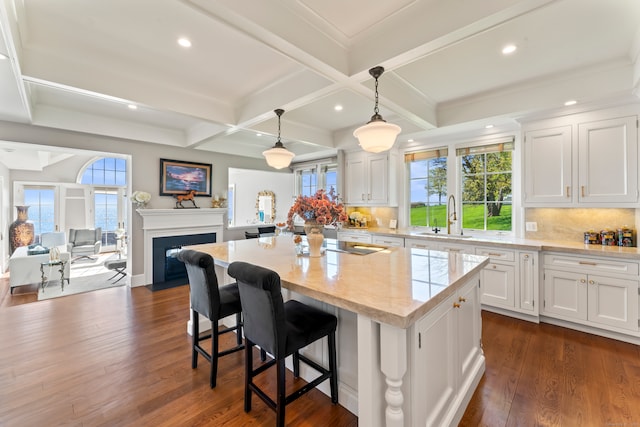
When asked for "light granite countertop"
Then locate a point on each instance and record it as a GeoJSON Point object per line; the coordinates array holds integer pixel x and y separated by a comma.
{"type": "Point", "coordinates": [396, 286]}
{"type": "Point", "coordinates": [510, 242]}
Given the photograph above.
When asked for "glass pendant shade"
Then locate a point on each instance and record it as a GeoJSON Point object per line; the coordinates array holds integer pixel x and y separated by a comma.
{"type": "Point", "coordinates": [278, 157]}
{"type": "Point", "coordinates": [377, 136]}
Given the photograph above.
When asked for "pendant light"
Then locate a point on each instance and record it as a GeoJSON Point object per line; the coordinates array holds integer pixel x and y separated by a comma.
{"type": "Point", "coordinates": [377, 135]}
{"type": "Point", "coordinates": [278, 157]}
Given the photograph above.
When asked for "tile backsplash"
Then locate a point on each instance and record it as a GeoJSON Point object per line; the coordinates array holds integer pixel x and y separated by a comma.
{"type": "Point", "coordinates": [571, 223]}
{"type": "Point", "coordinates": [376, 216]}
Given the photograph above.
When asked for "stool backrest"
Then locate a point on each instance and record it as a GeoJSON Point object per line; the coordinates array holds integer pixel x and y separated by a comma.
{"type": "Point", "coordinates": [203, 282]}
{"type": "Point", "coordinates": [262, 306]}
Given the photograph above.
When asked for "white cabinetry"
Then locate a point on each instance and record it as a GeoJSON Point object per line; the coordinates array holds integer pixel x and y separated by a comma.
{"type": "Point", "coordinates": [354, 236]}
{"type": "Point", "coordinates": [370, 179]}
{"type": "Point", "coordinates": [420, 244]}
{"type": "Point", "coordinates": [588, 163]}
{"type": "Point", "coordinates": [510, 281]}
{"type": "Point", "coordinates": [382, 240]}
{"type": "Point", "coordinates": [446, 353]}
{"type": "Point", "coordinates": [595, 292]}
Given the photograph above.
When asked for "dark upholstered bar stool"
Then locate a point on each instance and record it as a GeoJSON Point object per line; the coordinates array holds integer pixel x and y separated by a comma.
{"type": "Point", "coordinates": [214, 303]}
{"type": "Point", "coordinates": [281, 329]}
{"type": "Point", "coordinates": [251, 235]}
{"type": "Point", "coordinates": [269, 230]}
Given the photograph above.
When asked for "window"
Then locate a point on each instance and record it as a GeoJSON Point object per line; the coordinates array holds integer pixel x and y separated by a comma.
{"type": "Point", "coordinates": [108, 176]}
{"type": "Point", "coordinates": [41, 202]}
{"type": "Point", "coordinates": [107, 171]}
{"type": "Point", "coordinates": [486, 173]}
{"type": "Point", "coordinates": [427, 187]}
{"type": "Point", "coordinates": [310, 177]}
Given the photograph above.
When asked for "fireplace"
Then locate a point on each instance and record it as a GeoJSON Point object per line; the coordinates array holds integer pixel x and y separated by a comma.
{"type": "Point", "coordinates": [171, 229]}
{"type": "Point", "coordinates": [168, 271]}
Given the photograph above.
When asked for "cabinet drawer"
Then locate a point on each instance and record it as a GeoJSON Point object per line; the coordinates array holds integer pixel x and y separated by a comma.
{"type": "Point", "coordinates": [496, 254]}
{"type": "Point", "coordinates": [587, 265]}
{"type": "Point", "coordinates": [354, 237]}
{"type": "Point", "coordinates": [388, 241]}
{"type": "Point", "coordinates": [419, 244]}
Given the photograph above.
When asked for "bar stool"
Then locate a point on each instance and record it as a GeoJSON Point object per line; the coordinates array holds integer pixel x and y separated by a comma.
{"type": "Point", "coordinates": [214, 303]}
{"type": "Point", "coordinates": [281, 329]}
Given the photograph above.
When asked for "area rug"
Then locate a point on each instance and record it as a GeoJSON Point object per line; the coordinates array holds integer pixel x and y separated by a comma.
{"type": "Point", "coordinates": [78, 285]}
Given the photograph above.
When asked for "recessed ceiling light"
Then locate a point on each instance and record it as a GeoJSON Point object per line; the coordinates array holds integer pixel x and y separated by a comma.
{"type": "Point", "coordinates": [409, 140]}
{"type": "Point", "coordinates": [132, 107]}
{"type": "Point", "coordinates": [184, 42]}
{"type": "Point", "coordinates": [338, 107]}
{"type": "Point", "coordinates": [258, 134]}
{"type": "Point", "coordinates": [488, 126]}
{"type": "Point", "coordinates": [571, 102]}
{"type": "Point", "coordinates": [509, 49]}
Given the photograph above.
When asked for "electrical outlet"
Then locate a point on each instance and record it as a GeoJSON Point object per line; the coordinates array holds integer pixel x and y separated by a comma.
{"type": "Point", "coordinates": [531, 226]}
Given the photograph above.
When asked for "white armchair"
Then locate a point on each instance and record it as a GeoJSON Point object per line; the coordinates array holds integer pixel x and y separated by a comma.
{"type": "Point", "coordinates": [84, 242]}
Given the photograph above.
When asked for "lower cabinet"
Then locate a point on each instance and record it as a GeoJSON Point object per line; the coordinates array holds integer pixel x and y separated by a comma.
{"type": "Point", "coordinates": [510, 281]}
{"type": "Point", "coordinates": [446, 357]}
{"type": "Point", "coordinates": [592, 291]}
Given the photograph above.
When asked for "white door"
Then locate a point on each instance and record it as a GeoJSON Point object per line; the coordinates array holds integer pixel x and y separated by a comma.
{"type": "Point", "coordinates": [565, 294]}
{"type": "Point", "coordinates": [608, 161]}
{"type": "Point", "coordinates": [498, 285]}
{"type": "Point", "coordinates": [613, 302]}
{"type": "Point", "coordinates": [547, 168]}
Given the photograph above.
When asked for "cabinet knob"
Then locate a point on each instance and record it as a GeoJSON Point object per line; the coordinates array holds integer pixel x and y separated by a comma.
{"type": "Point", "coordinates": [526, 256]}
{"type": "Point", "coordinates": [461, 299]}
{"type": "Point", "coordinates": [494, 266]}
{"type": "Point", "coordinates": [456, 305]}
{"type": "Point", "coordinates": [592, 282]}
{"type": "Point", "coordinates": [583, 281]}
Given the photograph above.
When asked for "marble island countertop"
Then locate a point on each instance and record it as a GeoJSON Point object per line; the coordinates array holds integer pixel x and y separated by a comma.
{"type": "Point", "coordinates": [396, 286]}
{"type": "Point", "coordinates": [508, 241]}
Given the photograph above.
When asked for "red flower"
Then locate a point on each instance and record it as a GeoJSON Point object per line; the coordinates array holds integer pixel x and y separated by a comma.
{"type": "Point", "coordinates": [322, 207]}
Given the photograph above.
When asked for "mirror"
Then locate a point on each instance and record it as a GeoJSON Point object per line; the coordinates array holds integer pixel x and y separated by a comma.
{"type": "Point", "coordinates": [266, 207]}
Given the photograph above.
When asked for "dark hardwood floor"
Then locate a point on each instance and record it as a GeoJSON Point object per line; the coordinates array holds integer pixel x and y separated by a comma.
{"type": "Point", "coordinates": [120, 357]}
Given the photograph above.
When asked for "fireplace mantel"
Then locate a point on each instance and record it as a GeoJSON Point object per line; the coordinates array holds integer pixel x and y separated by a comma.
{"type": "Point", "coordinates": [177, 222]}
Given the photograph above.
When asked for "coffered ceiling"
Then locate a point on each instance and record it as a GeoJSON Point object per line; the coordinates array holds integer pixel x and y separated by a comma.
{"type": "Point", "coordinates": [78, 64]}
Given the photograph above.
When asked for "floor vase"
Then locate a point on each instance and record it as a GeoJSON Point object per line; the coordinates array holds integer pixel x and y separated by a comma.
{"type": "Point", "coordinates": [315, 238]}
{"type": "Point", "coordinates": [21, 230]}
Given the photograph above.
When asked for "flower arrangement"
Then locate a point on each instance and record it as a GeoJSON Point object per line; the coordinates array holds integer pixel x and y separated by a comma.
{"type": "Point", "coordinates": [322, 207]}
{"type": "Point", "coordinates": [140, 198]}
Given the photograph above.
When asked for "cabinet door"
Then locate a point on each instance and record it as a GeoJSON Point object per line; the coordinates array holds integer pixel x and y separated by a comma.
{"type": "Point", "coordinates": [356, 188]}
{"type": "Point", "coordinates": [388, 241]}
{"type": "Point", "coordinates": [608, 161]}
{"type": "Point", "coordinates": [378, 178]}
{"type": "Point", "coordinates": [498, 285]}
{"type": "Point", "coordinates": [565, 294]}
{"type": "Point", "coordinates": [613, 302]}
{"type": "Point", "coordinates": [420, 244]}
{"type": "Point", "coordinates": [547, 157]}
{"type": "Point", "coordinates": [528, 280]}
{"type": "Point", "coordinates": [434, 382]}
{"type": "Point", "coordinates": [469, 329]}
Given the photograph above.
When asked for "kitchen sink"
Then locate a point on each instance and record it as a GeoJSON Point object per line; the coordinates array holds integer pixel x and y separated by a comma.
{"type": "Point", "coordinates": [444, 235]}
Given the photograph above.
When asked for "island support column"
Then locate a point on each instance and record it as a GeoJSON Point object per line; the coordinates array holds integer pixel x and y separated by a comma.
{"type": "Point", "coordinates": [382, 363]}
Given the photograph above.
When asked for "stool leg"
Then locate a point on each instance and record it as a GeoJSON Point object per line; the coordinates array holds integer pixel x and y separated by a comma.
{"type": "Point", "coordinates": [195, 335]}
{"type": "Point", "coordinates": [296, 364]}
{"type": "Point", "coordinates": [239, 328]}
{"type": "Point", "coordinates": [248, 374]}
{"type": "Point", "coordinates": [214, 354]}
{"type": "Point", "coordinates": [281, 391]}
{"type": "Point", "coordinates": [333, 367]}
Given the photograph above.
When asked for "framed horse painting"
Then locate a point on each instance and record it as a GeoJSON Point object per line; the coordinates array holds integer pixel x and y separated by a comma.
{"type": "Point", "coordinates": [180, 177]}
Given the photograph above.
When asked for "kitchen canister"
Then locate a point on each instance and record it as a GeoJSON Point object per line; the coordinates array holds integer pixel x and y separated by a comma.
{"type": "Point", "coordinates": [608, 237]}
{"type": "Point", "coordinates": [591, 238]}
{"type": "Point", "coordinates": [626, 236]}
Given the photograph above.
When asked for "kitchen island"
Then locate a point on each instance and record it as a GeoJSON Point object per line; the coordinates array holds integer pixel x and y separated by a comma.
{"type": "Point", "coordinates": [417, 323]}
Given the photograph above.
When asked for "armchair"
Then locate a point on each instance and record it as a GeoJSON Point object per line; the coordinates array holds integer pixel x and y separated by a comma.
{"type": "Point", "coordinates": [84, 242]}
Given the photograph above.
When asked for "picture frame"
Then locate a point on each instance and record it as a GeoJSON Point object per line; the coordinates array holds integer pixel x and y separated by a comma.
{"type": "Point", "coordinates": [180, 177]}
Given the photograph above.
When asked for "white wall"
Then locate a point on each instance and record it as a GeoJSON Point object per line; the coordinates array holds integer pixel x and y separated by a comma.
{"type": "Point", "coordinates": [248, 183]}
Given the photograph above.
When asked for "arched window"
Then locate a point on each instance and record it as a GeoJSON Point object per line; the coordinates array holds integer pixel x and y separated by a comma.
{"type": "Point", "coordinates": [106, 171]}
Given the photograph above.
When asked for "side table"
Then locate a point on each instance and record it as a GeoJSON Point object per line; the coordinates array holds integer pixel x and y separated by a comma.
{"type": "Point", "coordinates": [59, 263]}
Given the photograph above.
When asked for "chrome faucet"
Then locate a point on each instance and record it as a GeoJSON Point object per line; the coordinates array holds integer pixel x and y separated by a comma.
{"type": "Point", "coordinates": [451, 217]}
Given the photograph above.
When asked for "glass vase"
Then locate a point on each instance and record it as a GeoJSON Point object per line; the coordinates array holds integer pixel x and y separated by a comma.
{"type": "Point", "coordinates": [315, 238]}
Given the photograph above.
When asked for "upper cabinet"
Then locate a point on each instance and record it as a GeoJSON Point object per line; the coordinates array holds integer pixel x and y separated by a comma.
{"type": "Point", "coordinates": [587, 163]}
{"type": "Point", "coordinates": [370, 179]}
